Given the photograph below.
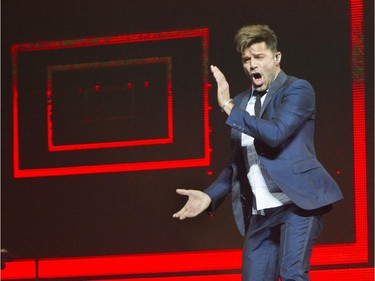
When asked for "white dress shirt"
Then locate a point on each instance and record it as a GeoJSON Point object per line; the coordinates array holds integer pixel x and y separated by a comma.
{"type": "Point", "coordinates": [263, 198]}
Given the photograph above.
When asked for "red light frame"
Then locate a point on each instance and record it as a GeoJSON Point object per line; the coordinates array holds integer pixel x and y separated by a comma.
{"type": "Point", "coordinates": [170, 263]}
{"type": "Point", "coordinates": [19, 172]}
{"type": "Point", "coordinates": [99, 145]}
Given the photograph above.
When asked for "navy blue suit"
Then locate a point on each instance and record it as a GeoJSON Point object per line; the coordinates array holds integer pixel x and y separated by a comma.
{"type": "Point", "coordinates": [284, 140]}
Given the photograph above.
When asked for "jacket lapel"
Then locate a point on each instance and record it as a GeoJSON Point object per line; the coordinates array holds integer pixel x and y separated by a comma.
{"type": "Point", "coordinates": [275, 86]}
{"type": "Point", "coordinates": [243, 104]}
{"type": "Point", "coordinates": [245, 100]}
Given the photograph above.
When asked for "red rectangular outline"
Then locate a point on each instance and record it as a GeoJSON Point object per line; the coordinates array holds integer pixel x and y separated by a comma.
{"type": "Point", "coordinates": [338, 254]}
{"type": "Point", "coordinates": [118, 167]}
{"type": "Point", "coordinates": [108, 64]}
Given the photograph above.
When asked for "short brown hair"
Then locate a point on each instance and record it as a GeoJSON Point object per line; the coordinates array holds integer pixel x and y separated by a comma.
{"type": "Point", "coordinates": [251, 34]}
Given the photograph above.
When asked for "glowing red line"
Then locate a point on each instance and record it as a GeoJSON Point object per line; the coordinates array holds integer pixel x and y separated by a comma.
{"type": "Point", "coordinates": [205, 48]}
{"type": "Point", "coordinates": [54, 268]}
{"type": "Point", "coordinates": [359, 132]}
{"type": "Point", "coordinates": [121, 39]}
{"type": "Point", "coordinates": [15, 108]}
{"type": "Point", "coordinates": [112, 144]}
{"type": "Point", "coordinates": [49, 109]}
{"type": "Point", "coordinates": [215, 277]}
{"type": "Point", "coordinates": [110, 168]}
{"type": "Point", "coordinates": [363, 274]}
{"type": "Point", "coordinates": [170, 99]}
{"type": "Point", "coordinates": [19, 269]}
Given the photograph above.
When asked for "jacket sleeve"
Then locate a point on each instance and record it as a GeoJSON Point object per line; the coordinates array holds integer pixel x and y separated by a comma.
{"type": "Point", "coordinates": [220, 188]}
{"type": "Point", "coordinates": [296, 106]}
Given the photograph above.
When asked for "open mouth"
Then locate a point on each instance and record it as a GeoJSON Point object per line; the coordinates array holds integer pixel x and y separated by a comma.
{"type": "Point", "coordinates": [257, 78]}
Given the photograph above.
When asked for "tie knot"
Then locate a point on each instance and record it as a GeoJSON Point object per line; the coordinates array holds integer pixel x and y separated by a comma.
{"type": "Point", "coordinates": [259, 93]}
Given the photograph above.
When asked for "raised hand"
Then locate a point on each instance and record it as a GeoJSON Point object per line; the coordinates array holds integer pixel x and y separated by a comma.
{"type": "Point", "coordinates": [198, 201]}
{"type": "Point", "coordinates": [223, 95]}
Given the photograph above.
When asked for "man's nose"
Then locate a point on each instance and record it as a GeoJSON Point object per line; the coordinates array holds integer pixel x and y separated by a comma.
{"type": "Point", "coordinates": [252, 65]}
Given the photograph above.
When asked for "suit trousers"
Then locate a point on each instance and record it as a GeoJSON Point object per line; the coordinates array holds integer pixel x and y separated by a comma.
{"type": "Point", "coordinates": [279, 244]}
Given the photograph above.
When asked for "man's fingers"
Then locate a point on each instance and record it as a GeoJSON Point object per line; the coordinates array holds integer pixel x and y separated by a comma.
{"type": "Point", "coordinates": [179, 215]}
{"type": "Point", "coordinates": [182, 214]}
{"type": "Point", "coordinates": [182, 191]}
{"type": "Point", "coordinates": [216, 72]}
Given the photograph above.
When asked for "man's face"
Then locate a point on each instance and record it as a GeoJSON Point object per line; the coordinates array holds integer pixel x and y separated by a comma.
{"type": "Point", "coordinates": [261, 65]}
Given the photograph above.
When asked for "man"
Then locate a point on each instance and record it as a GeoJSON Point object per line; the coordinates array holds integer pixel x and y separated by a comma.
{"type": "Point", "coordinates": [279, 189]}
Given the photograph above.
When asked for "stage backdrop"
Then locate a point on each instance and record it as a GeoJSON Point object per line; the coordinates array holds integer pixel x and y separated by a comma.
{"type": "Point", "coordinates": [109, 106]}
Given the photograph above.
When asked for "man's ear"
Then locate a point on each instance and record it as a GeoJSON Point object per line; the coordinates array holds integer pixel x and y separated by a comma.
{"type": "Point", "coordinates": [278, 57]}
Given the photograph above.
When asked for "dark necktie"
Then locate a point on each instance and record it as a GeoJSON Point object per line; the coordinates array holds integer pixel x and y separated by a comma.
{"type": "Point", "coordinates": [258, 104]}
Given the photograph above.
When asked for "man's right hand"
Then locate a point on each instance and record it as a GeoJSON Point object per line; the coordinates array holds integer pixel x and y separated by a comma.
{"type": "Point", "coordinates": [198, 201]}
{"type": "Point", "coordinates": [223, 94]}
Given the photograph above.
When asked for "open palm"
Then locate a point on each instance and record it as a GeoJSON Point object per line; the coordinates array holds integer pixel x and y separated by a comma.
{"type": "Point", "coordinates": [198, 201]}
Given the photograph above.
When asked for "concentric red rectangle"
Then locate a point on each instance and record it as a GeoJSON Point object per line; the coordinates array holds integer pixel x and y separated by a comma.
{"type": "Point", "coordinates": [20, 172]}
{"type": "Point", "coordinates": [109, 64]}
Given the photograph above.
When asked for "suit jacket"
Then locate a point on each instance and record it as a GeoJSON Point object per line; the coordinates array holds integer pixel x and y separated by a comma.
{"type": "Point", "coordinates": [284, 140]}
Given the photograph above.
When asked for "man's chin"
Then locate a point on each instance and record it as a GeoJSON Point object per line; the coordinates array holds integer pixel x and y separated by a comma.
{"type": "Point", "coordinates": [258, 87]}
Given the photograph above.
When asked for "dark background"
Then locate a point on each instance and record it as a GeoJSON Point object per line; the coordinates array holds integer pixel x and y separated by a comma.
{"type": "Point", "coordinates": [131, 212]}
